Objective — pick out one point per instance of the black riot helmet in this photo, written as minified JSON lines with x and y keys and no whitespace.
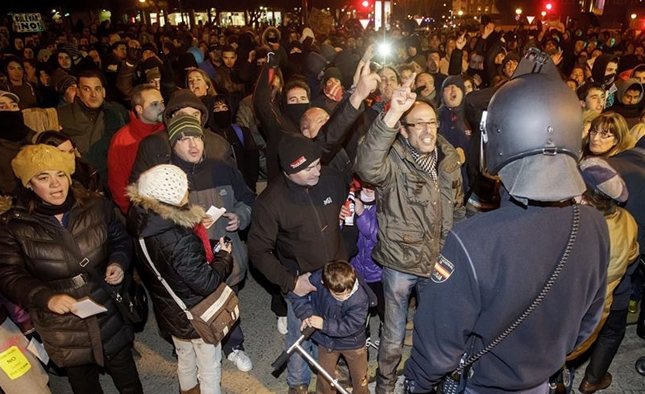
{"x":533,"y":126}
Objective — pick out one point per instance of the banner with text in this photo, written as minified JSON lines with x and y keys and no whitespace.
{"x":27,"y":23}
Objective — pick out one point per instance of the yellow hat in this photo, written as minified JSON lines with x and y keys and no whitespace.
{"x":34,"y":159}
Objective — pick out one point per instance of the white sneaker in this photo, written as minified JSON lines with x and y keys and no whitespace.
{"x":241,"y":360}
{"x":282,"y":325}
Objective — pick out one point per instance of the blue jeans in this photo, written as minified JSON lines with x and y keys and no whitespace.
{"x":298,"y":371}
{"x":397,"y":287}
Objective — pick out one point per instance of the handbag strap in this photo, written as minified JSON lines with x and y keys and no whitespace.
{"x":85,"y":264}
{"x":539,"y":298}
{"x":174,"y":296}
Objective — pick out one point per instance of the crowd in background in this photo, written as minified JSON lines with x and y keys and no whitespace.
{"x":221,"y":112}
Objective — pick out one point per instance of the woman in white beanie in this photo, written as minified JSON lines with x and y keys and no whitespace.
{"x":179,"y":248}
{"x":52,"y":229}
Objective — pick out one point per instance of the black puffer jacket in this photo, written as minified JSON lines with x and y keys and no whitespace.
{"x":179,"y":256}
{"x":37,"y":258}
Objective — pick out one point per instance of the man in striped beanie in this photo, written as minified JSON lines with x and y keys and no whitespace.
{"x":183,"y":126}
{"x":215,"y":184}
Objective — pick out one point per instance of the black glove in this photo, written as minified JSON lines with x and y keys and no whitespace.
{"x":223,"y":264}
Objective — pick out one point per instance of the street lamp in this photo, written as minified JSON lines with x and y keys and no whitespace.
{"x":518,"y":11}
{"x":633,"y":16}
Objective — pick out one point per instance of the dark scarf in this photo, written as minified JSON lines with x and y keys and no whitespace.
{"x":221,"y":119}
{"x":51,"y":210}
{"x":93,"y":113}
{"x":13,"y":126}
{"x":295,"y":112}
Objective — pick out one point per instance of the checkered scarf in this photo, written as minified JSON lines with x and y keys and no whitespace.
{"x":428,"y":161}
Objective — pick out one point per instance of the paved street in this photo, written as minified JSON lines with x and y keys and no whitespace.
{"x":264,"y":344}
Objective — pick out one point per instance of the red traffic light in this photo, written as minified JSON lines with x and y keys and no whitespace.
{"x":548,"y":6}
{"x":365,"y":3}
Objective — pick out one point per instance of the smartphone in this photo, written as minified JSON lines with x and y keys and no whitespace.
{"x":218,"y":247}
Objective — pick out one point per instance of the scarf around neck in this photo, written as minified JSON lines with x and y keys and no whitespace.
{"x":428,"y":161}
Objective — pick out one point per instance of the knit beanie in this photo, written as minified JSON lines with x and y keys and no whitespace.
{"x":511,"y":56}
{"x":62,"y":80}
{"x":183,"y":98}
{"x":601,"y":176}
{"x":331,"y":72}
{"x":297,"y":152}
{"x":165,"y":182}
{"x":456,"y":80}
{"x":34,"y":159}
{"x":183,"y":125}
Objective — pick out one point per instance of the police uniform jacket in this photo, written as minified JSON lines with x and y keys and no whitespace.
{"x":491,"y":268}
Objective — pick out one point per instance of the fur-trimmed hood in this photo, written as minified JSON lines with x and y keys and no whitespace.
{"x":149,"y":216}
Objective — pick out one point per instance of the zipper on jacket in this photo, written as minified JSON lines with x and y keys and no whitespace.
{"x":320,"y":225}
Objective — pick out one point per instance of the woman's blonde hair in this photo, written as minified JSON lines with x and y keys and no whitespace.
{"x":211,"y":88}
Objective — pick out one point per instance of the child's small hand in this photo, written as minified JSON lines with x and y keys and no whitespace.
{"x":315,"y":322}
{"x":312,"y":321}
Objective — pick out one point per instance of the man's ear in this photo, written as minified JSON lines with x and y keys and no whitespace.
{"x":582,"y":104}
{"x":404,"y":132}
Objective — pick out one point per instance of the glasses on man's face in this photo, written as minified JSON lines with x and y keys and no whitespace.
{"x":604,"y":134}
{"x":432,"y":125}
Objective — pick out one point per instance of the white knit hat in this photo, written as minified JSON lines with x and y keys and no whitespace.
{"x":165,"y":183}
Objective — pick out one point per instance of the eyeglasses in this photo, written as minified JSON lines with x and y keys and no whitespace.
{"x":433,"y":125}
{"x":604,"y":134}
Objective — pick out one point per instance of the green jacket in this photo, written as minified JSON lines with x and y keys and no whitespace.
{"x":92,"y":136}
{"x":414,"y":217}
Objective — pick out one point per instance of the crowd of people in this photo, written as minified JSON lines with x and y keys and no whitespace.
{"x":458,"y":168}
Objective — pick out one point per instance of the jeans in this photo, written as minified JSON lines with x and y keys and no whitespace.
{"x":85,"y":378}
{"x":201,"y":361}
{"x":397,"y":287}
{"x":298,"y":371}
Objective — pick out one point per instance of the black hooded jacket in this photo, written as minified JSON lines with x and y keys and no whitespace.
{"x":247,"y":155}
{"x":178,"y":254}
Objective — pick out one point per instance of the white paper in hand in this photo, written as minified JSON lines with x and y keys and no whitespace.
{"x":85,"y":307}
{"x":37,"y":349}
{"x":215,"y":212}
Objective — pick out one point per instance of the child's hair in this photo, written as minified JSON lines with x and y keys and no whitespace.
{"x":339,"y":276}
